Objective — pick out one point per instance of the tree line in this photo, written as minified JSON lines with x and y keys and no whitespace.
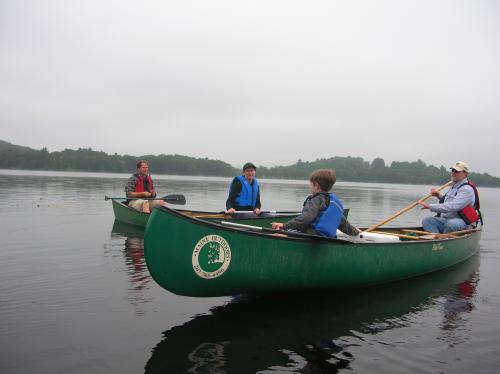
{"x":354,"y":169}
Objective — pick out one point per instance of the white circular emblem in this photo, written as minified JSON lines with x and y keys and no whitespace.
{"x":211,"y":256}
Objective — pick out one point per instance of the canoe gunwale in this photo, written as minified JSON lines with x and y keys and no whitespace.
{"x":259,"y":231}
{"x":126,"y":214}
{"x":271,"y":233}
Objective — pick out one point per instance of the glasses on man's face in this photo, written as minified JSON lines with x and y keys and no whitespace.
{"x":455,"y":171}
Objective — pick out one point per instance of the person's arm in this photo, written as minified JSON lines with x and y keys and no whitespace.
{"x":130,"y":186}
{"x":347,"y":228}
{"x":463,"y":198}
{"x":311,"y":210}
{"x":234,"y":191}
{"x":153,"y":192}
{"x":130,"y":189}
{"x":139,"y":194}
{"x":257,"y":203}
{"x":436,"y":193}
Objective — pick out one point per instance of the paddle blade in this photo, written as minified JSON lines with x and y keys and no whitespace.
{"x":175,"y":199}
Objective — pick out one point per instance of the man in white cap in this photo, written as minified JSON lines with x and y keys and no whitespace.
{"x":458,"y":208}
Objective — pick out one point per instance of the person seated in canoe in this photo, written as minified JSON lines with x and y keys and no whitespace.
{"x":458,"y":208}
{"x":323,"y":212}
{"x":140,"y":185}
{"x":244,"y":192}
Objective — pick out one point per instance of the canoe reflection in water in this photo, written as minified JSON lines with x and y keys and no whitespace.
{"x":310,"y":333}
{"x":133,"y":250}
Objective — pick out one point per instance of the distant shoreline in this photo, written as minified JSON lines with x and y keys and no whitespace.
{"x":124,"y":176}
{"x":348,"y":169}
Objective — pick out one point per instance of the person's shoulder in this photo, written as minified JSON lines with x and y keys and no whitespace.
{"x":465,"y":186}
{"x":236,"y":181}
{"x":323,"y":195}
{"x":319,"y":198}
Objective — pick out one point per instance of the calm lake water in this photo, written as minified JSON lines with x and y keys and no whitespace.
{"x":76,"y":295}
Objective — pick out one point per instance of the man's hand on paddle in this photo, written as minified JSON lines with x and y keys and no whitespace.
{"x":423,"y":204}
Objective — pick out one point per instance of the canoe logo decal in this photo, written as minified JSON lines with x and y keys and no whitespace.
{"x":437,"y":247}
{"x":211,"y":256}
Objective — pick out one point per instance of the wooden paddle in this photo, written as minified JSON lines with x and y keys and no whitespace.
{"x":251,"y":211}
{"x":371,"y":228}
{"x":270,"y":212}
{"x":454,"y":234}
{"x":346,"y":212}
{"x":171,"y":199}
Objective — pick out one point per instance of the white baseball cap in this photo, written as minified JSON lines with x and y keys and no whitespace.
{"x":460,"y":166}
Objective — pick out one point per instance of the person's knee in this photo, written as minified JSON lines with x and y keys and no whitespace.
{"x":431,"y":224}
{"x":427,"y":221}
{"x":448,"y":228}
{"x":453,"y":225}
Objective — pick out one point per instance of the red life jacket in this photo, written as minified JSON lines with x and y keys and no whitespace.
{"x":471,"y":214}
{"x":476,"y":194}
{"x":143,"y":184}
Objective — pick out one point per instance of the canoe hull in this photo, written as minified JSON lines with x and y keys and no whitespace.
{"x":199,"y":258}
{"x":124,"y":213}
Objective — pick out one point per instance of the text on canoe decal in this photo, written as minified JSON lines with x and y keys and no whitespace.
{"x":211,"y":256}
{"x":437,"y":247}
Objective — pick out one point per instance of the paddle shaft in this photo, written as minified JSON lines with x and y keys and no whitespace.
{"x":454,"y":233}
{"x":418,"y":232}
{"x":277,"y":212}
{"x":135,"y":198}
{"x":371,"y":228}
{"x":251,"y":211}
{"x":276,"y":232}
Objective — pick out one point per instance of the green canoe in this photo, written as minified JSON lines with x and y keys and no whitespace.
{"x":196,"y":257}
{"x":124,"y":213}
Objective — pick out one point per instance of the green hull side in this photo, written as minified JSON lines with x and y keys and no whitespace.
{"x":125,"y":214}
{"x":258,"y":263}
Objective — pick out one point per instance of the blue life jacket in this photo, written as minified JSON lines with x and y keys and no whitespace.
{"x":328,"y":220}
{"x":248,"y":194}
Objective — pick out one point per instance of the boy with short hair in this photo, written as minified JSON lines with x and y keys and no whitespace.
{"x":323,"y":212}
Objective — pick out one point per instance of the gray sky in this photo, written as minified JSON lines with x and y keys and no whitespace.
{"x":264,"y":81}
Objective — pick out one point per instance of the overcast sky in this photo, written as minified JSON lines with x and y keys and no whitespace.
{"x":268,"y":81}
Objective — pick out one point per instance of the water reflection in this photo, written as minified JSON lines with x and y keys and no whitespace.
{"x":454,"y":327}
{"x":133,"y":250}
{"x":311,"y":333}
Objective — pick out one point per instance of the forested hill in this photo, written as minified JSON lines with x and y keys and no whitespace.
{"x":348,"y":168}
{"x":17,"y":157}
